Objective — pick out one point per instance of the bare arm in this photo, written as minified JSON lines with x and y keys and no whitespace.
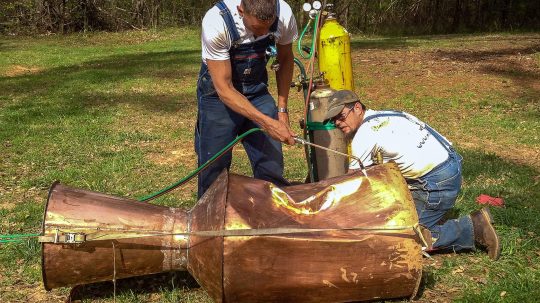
{"x":220,"y":71}
{"x":284,"y":75}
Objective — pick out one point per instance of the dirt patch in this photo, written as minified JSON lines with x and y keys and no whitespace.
{"x":19,"y":70}
{"x":174,"y":156}
{"x":31,"y":292}
{"x":7,"y":206}
{"x":466,"y":74}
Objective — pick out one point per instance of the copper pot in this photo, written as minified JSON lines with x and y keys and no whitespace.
{"x":348,"y":238}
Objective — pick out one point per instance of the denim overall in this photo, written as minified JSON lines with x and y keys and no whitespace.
{"x":436,"y":192}
{"x":218,"y":125}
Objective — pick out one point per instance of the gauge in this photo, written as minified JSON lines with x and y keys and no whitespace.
{"x":317,"y":5}
{"x":306,"y":7}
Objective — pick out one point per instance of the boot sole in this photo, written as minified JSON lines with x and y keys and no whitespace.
{"x":487,"y":215}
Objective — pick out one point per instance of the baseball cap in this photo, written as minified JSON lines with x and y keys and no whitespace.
{"x":338,"y":101}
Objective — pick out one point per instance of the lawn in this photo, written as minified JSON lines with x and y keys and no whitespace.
{"x":115,"y":113}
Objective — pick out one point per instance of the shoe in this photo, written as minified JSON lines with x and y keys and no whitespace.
{"x":485,"y":234}
{"x":425,"y":238}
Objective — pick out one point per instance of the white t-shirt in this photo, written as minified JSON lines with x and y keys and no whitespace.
{"x":403,"y":140}
{"x":215,"y":37}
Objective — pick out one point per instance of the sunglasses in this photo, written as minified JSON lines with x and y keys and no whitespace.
{"x":342,"y":116}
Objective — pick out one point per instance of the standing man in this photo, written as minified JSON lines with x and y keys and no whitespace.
{"x":232,"y":89}
{"x":427,"y":160}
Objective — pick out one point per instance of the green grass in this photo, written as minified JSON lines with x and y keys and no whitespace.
{"x":115,"y":112}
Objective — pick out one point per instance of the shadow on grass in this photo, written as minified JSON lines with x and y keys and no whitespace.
{"x":471,"y":56}
{"x":3,"y":45}
{"x":383,"y":43}
{"x":157,"y":283}
{"x":101,"y":85}
{"x":400,"y":42}
{"x":75,"y":82}
{"x":427,"y":281}
{"x":500,"y":62}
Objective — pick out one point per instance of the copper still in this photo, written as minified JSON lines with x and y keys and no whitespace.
{"x":347,"y":238}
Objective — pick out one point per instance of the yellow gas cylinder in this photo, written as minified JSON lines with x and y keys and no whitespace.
{"x":334,"y":48}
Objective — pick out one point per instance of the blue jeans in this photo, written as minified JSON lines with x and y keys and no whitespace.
{"x":434,"y":194}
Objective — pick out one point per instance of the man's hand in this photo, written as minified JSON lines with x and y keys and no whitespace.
{"x":278,"y":130}
{"x":222,"y":77}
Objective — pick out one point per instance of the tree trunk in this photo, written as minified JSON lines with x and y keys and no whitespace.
{"x":62,"y":16}
{"x":505,"y":12}
{"x":457,"y":16}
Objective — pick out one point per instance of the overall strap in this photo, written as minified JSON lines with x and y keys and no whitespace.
{"x":274,"y":26}
{"x":433,"y":132}
{"x":229,"y":22}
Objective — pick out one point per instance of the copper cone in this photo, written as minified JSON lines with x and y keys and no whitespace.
{"x":344,"y":239}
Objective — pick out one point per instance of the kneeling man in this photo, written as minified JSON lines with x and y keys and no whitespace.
{"x":427,"y":160}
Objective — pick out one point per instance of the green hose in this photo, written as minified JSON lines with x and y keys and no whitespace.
{"x":301,"y":68}
{"x":200,"y":168}
{"x":16,"y":238}
{"x":314,"y":40}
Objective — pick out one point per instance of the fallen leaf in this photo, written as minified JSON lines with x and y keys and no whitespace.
{"x":482,"y":280}
{"x":458,"y":270}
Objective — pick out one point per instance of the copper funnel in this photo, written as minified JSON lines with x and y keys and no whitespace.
{"x":343,"y":239}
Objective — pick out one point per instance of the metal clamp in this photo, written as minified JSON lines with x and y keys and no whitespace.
{"x":63,"y":238}
{"x":74,"y":238}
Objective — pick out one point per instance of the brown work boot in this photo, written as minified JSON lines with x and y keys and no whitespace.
{"x":425,"y":238}
{"x":484,"y":233}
